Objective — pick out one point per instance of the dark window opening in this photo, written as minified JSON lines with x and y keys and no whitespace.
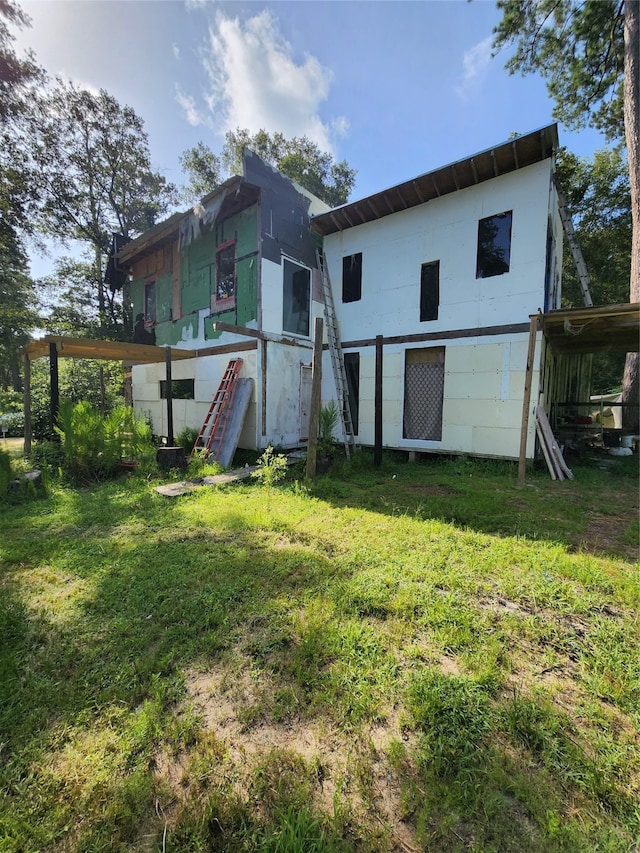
{"x":225,"y":291}
{"x":296,"y":305}
{"x":150,"y":303}
{"x":352,"y":370}
{"x":494,"y":245}
{"x":181,"y":389}
{"x":352,"y":277}
{"x":429,"y":291}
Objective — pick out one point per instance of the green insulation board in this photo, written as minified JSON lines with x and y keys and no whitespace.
{"x":173,"y":334}
{"x":164,"y":297}
{"x":137,"y":297}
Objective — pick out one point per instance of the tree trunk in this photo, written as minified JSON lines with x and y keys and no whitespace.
{"x":630,"y":396}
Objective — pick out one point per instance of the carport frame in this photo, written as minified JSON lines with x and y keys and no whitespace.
{"x":607,"y":328}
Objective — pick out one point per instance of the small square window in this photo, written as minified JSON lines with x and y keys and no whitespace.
{"x":429,"y":291}
{"x":352,"y":278}
{"x":494,"y":245}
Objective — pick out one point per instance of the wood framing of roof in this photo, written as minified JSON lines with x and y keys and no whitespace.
{"x":237,"y":195}
{"x":500,"y":160}
{"x":102,"y":350}
{"x":607,"y":328}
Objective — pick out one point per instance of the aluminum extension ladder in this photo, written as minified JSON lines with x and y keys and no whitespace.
{"x":337,"y":360}
{"x":209,"y":441}
{"x":576,"y":251}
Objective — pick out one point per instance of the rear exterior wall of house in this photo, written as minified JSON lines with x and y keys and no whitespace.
{"x":450,"y":285}
{"x":223,"y":277}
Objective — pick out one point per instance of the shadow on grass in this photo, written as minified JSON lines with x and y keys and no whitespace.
{"x":597,"y":512}
{"x":127,"y":591}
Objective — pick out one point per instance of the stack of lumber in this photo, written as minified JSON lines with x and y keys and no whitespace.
{"x":558,"y":468}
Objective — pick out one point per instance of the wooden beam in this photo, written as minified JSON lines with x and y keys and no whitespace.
{"x":54,"y":385}
{"x":27,"y":404}
{"x":314,"y":409}
{"x":223,"y":349}
{"x":526,"y":399}
{"x":377,"y":440}
{"x":263,"y":371}
{"x":169,"y":396}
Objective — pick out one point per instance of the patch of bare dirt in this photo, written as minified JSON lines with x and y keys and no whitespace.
{"x":606,"y":534}
{"x":222,"y":701}
{"x":433,"y":490}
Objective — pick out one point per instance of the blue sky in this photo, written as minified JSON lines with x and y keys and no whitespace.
{"x":395,"y":88}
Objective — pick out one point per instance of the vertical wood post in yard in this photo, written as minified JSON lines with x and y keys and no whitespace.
{"x":169,"y":395}
{"x":54,"y":385}
{"x":314,"y":409}
{"x":377,"y":440}
{"x":526,"y":399}
{"x":102,"y":390}
{"x":27,"y":404}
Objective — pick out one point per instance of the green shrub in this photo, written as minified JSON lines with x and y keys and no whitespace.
{"x":187,"y":438}
{"x":5,"y":471}
{"x":94,"y":445}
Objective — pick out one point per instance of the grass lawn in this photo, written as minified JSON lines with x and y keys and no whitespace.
{"x":420,"y":657}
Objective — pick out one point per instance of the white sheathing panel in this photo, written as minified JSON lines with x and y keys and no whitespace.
{"x":283,"y":394}
{"x":271,"y":295}
{"x":483,"y":390}
{"x":206,"y":373}
{"x":446,"y":229}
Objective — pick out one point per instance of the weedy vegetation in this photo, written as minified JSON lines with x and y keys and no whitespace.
{"x":416,"y":657}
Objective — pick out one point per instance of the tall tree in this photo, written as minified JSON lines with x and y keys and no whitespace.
{"x":597,"y":192}
{"x":18,"y":313}
{"x":298,"y":158}
{"x":92,"y":173}
{"x":203,"y":169}
{"x":17,"y":77}
{"x":588,"y":51}
{"x":68,"y":300}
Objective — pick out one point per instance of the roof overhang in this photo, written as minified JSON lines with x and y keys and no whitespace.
{"x":234,"y":195}
{"x":101,"y":350}
{"x":607,"y":328}
{"x":501,"y":159}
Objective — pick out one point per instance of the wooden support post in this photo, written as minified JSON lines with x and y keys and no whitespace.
{"x":54,"y":386}
{"x":102,"y":390}
{"x":167,"y":353}
{"x":526,"y":399}
{"x":27,"y":404}
{"x":314,"y":409}
{"x":377,"y":440}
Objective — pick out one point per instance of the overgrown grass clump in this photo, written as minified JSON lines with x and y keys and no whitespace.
{"x":417,"y":657}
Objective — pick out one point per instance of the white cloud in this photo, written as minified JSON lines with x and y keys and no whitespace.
{"x":475,"y":63}
{"x":192,"y":114}
{"x":176,"y":50}
{"x":255,"y":81}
